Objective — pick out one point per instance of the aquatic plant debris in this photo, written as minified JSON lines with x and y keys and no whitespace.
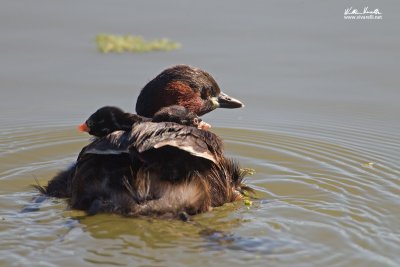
{"x":248,"y":202}
{"x":368,"y":165}
{"x":110,"y":43}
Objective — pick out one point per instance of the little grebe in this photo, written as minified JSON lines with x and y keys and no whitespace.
{"x":161,"y":168}
{"x":160,"y":176}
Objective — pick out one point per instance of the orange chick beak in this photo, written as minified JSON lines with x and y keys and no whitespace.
{"x":83,"y":128}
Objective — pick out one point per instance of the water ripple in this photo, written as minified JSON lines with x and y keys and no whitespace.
{"x":319,"y":192}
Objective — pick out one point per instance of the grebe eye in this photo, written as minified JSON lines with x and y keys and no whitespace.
{"x":196,"y":121}
{"x":205,"y":94}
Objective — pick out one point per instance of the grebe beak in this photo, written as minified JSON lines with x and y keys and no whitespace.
{"x":225,"y":101}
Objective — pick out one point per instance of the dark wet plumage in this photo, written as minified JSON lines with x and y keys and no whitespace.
{"x":154,"y":168}
{"x":109,"y":119}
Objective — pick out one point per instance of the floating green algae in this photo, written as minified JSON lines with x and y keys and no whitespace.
{"x":109,"y":43}
{"x":248,"y":202}
{"x":368,"y":165}
{"x":247,"y":191}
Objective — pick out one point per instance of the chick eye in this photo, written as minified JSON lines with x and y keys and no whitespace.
{"x":89,"y":123}
{"x":196,"y":121}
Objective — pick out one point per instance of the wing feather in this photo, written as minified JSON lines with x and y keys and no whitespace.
{"x":198,"y":143}
{"x":149,"y":135}
{"x":114,"y":143}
